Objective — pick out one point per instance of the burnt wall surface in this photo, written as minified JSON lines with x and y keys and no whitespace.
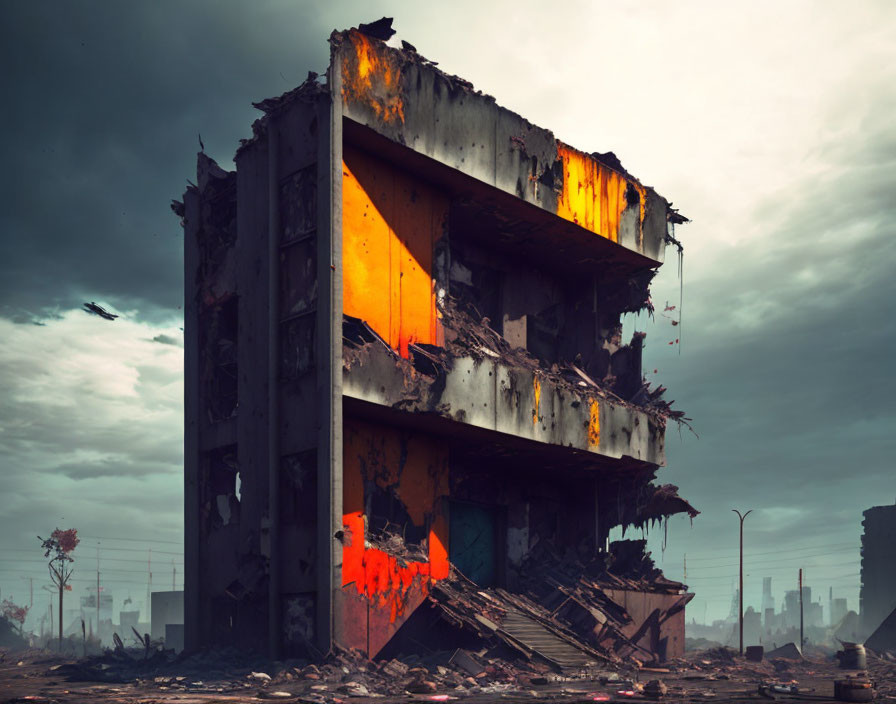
{"x":552,"y":313}
{"x":405,"y":98}
{"x":251,"y":292}
{"x":415,"y":267}
{"x":418,"y":505}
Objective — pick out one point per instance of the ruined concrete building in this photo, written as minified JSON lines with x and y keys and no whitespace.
{"x":410,"y":414}
{"x":877,"y":597}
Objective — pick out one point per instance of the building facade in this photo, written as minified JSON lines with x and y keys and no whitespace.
{"x":877,"y":596}
{"x":404,"y":364}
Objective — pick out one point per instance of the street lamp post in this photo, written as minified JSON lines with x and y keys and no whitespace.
{"x":740,"y":591}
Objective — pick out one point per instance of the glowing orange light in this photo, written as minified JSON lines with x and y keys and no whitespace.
{"x":594,"y":424}
{"x":371,"y":76}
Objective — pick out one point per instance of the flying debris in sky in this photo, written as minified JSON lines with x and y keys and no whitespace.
{"x":95,"y":309}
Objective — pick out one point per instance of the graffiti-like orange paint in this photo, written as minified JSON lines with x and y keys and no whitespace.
{"x":537,"y":389}
{"x":594,"y":425}
{"x":416,"y":469}
{"x":593,"y":195}
{"x":390,"y":224}
{"x":371,"y":75}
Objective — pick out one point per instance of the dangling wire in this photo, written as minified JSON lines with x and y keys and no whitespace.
{"x":680,"y":292}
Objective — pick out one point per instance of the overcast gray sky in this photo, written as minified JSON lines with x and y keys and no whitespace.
{"x":770,"y":124}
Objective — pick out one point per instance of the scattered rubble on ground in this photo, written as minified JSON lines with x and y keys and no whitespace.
{"x":227,"y":675}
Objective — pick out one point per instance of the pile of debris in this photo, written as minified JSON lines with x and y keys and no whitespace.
{"x":436,"y":676}
{"x":341,"y":673}
{"x":562,"y":616}
{"x":469,"y":336}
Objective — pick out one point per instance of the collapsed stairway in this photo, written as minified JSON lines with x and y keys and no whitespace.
{"x":545,"y":644}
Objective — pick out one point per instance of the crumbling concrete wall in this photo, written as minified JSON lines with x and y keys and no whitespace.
{"x":407,"y":100}
{"x":395,"y":486}
{"x":657,"y":622}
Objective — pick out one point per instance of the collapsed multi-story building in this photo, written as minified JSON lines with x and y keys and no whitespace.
{"x":409,"y":407}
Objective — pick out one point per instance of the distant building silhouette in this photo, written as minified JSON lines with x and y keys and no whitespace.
{"x":877,"y":597}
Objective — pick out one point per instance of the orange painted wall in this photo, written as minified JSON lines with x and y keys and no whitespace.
{"x":593,"y":195}
{"x":415,"y":467}
{"x":390,"y":224}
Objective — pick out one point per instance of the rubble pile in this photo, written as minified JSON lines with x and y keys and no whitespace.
{"x":718,"y":674}
{"x":561,"y":618}
{"x":575,"y":591}
{"x":469,"y":334}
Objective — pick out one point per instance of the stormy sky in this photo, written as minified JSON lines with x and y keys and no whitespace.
{"x":769,"y":124}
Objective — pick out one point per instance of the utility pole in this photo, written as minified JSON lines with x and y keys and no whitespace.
{"x":173,"y":576}
{"x":801,"y":610}
{"x":98,"y":587}
{"x":149,"y":586}
{"x":740,"y":592}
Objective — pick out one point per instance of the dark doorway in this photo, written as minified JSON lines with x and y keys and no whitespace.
{"x":472,"y":542}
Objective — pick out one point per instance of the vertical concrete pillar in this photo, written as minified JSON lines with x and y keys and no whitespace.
{"x":329,"y":361}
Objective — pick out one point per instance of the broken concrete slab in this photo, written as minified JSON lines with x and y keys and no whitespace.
{"x":788,"y":651}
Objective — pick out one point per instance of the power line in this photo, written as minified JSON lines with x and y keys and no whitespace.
{"x":779,"y":552}
{"x":136,"y":540}
{"x":789,"y":560}
{"x":103,"y":559}
{"x":30,"y":570}
{"x":130,"y":550}
{"x":728,"y":553}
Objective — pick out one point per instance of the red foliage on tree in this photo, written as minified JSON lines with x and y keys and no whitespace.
{"x":13,"y":612}
{"x":66,"y":539}
{"x":61,"y":543}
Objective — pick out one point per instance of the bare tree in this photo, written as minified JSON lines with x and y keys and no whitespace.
{"x":60,"y":544}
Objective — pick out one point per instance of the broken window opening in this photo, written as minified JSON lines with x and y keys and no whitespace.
{"x":219,"y":498}
{"x":298,"y":488}
{"x":388,"y":516}
{"x":297,"y":340}
{"x":218,"y":337}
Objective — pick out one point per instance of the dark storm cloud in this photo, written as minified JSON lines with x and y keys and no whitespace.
{"x":787,"y":368}
{"x":121,"y":467}
{"x":102,"y":106}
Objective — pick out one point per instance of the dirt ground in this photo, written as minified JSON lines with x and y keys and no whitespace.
{"x":35,"y":676}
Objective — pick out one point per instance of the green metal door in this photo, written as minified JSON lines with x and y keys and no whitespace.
{"x":471,"y":546}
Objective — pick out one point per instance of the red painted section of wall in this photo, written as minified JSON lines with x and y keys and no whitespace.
{"x":415,"y":468}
